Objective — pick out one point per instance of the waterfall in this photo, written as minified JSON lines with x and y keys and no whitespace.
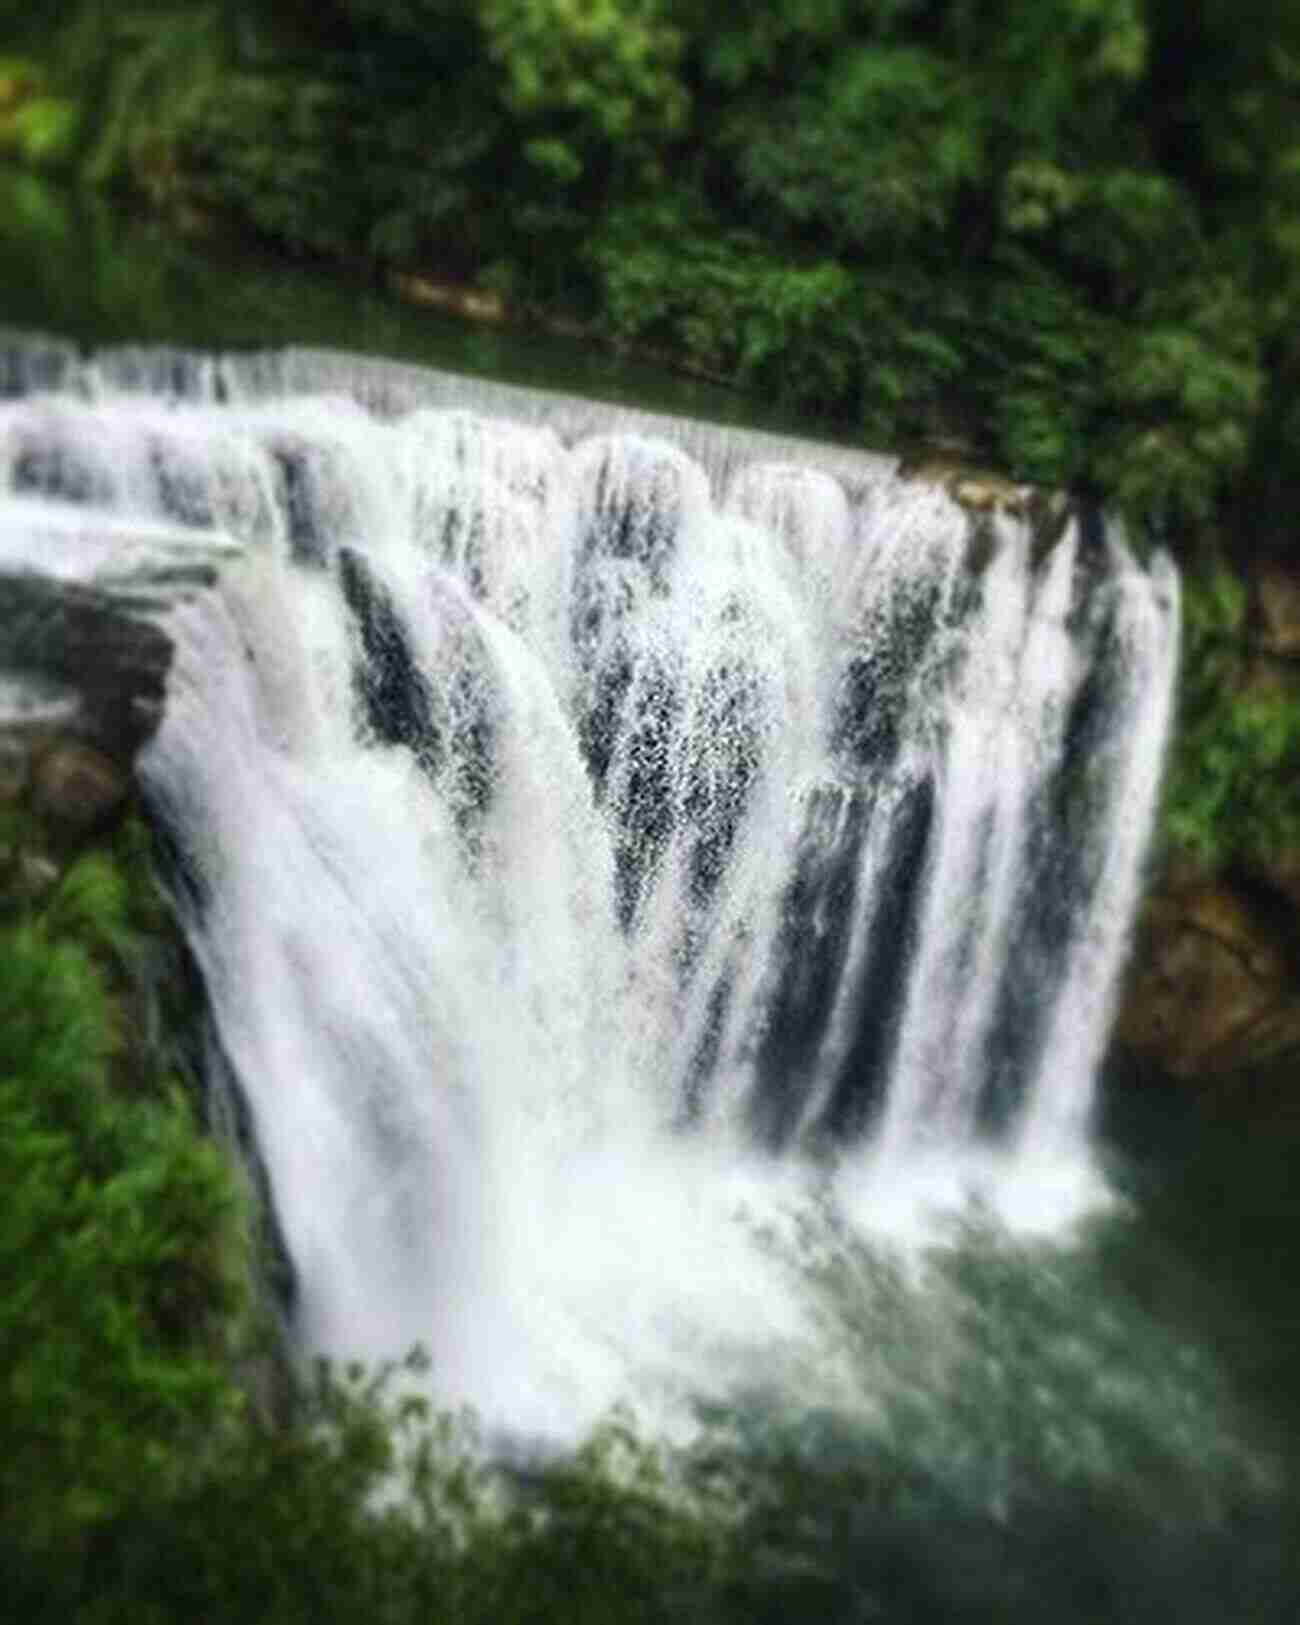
{"x":602,"y":836}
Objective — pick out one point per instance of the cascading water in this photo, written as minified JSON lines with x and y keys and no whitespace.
{"x":602,"y":836}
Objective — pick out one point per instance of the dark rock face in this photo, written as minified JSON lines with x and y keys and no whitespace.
{"x":98,"y":650}
{"x":1213,"y":990}
{"x":77,"y":789}
{"x":1214,"y":986}
{"x":83,"y":673}
{"x":1275,"y":611}
{"x":15,"y":768}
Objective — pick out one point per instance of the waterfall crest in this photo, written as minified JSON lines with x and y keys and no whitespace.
{"x":601,"y":834}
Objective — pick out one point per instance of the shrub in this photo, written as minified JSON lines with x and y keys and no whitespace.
{"x":121,"y":1231}
{"x":1230,"y":793}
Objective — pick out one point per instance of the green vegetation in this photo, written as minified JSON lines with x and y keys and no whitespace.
{"x":36,"y":127}
{"x":1231,"y":793}
{"x":1064,"y":232}
{"x":122,"y":1235}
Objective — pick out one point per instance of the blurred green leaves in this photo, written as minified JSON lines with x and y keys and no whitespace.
{"x":37,"y":127}
{"x":869,"y":156}
{"x":121,"y":1235}
{"x":1236,"y":761}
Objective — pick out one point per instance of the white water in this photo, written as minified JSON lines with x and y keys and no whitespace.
{"x":603,"y":836}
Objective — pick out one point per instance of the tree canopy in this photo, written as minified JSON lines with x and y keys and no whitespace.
{"x":1064,"y":233}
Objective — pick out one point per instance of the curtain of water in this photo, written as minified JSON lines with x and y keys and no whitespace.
{"x":603,"y":835}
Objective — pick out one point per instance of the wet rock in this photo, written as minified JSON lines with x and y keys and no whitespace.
{"x":35,"y":876}
{"x":14,"y":768}
{"x":989,"y":494}
{"x":108,"y":652}
{"x":1275,"y":611}
{"x":77,"y":789}
{"x":978,"y":490}
{"x":1049,"y":513}
{"x":1214,"y":984}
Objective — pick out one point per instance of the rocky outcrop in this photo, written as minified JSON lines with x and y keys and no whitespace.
{"x":1214,"y":985}
{"x":83,"y":674}
{"x":80,"y":663}
{"x":985,"y":495}
{"x":1275,"y":611}
{"x":1213,"y":989}
{"x":76,"y":789}
{"x":82,"y":679}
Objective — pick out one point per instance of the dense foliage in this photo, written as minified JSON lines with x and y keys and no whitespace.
{"x":1231,"y":792}
{"x":121,"y":1242}
{"x":1065,"y":232}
